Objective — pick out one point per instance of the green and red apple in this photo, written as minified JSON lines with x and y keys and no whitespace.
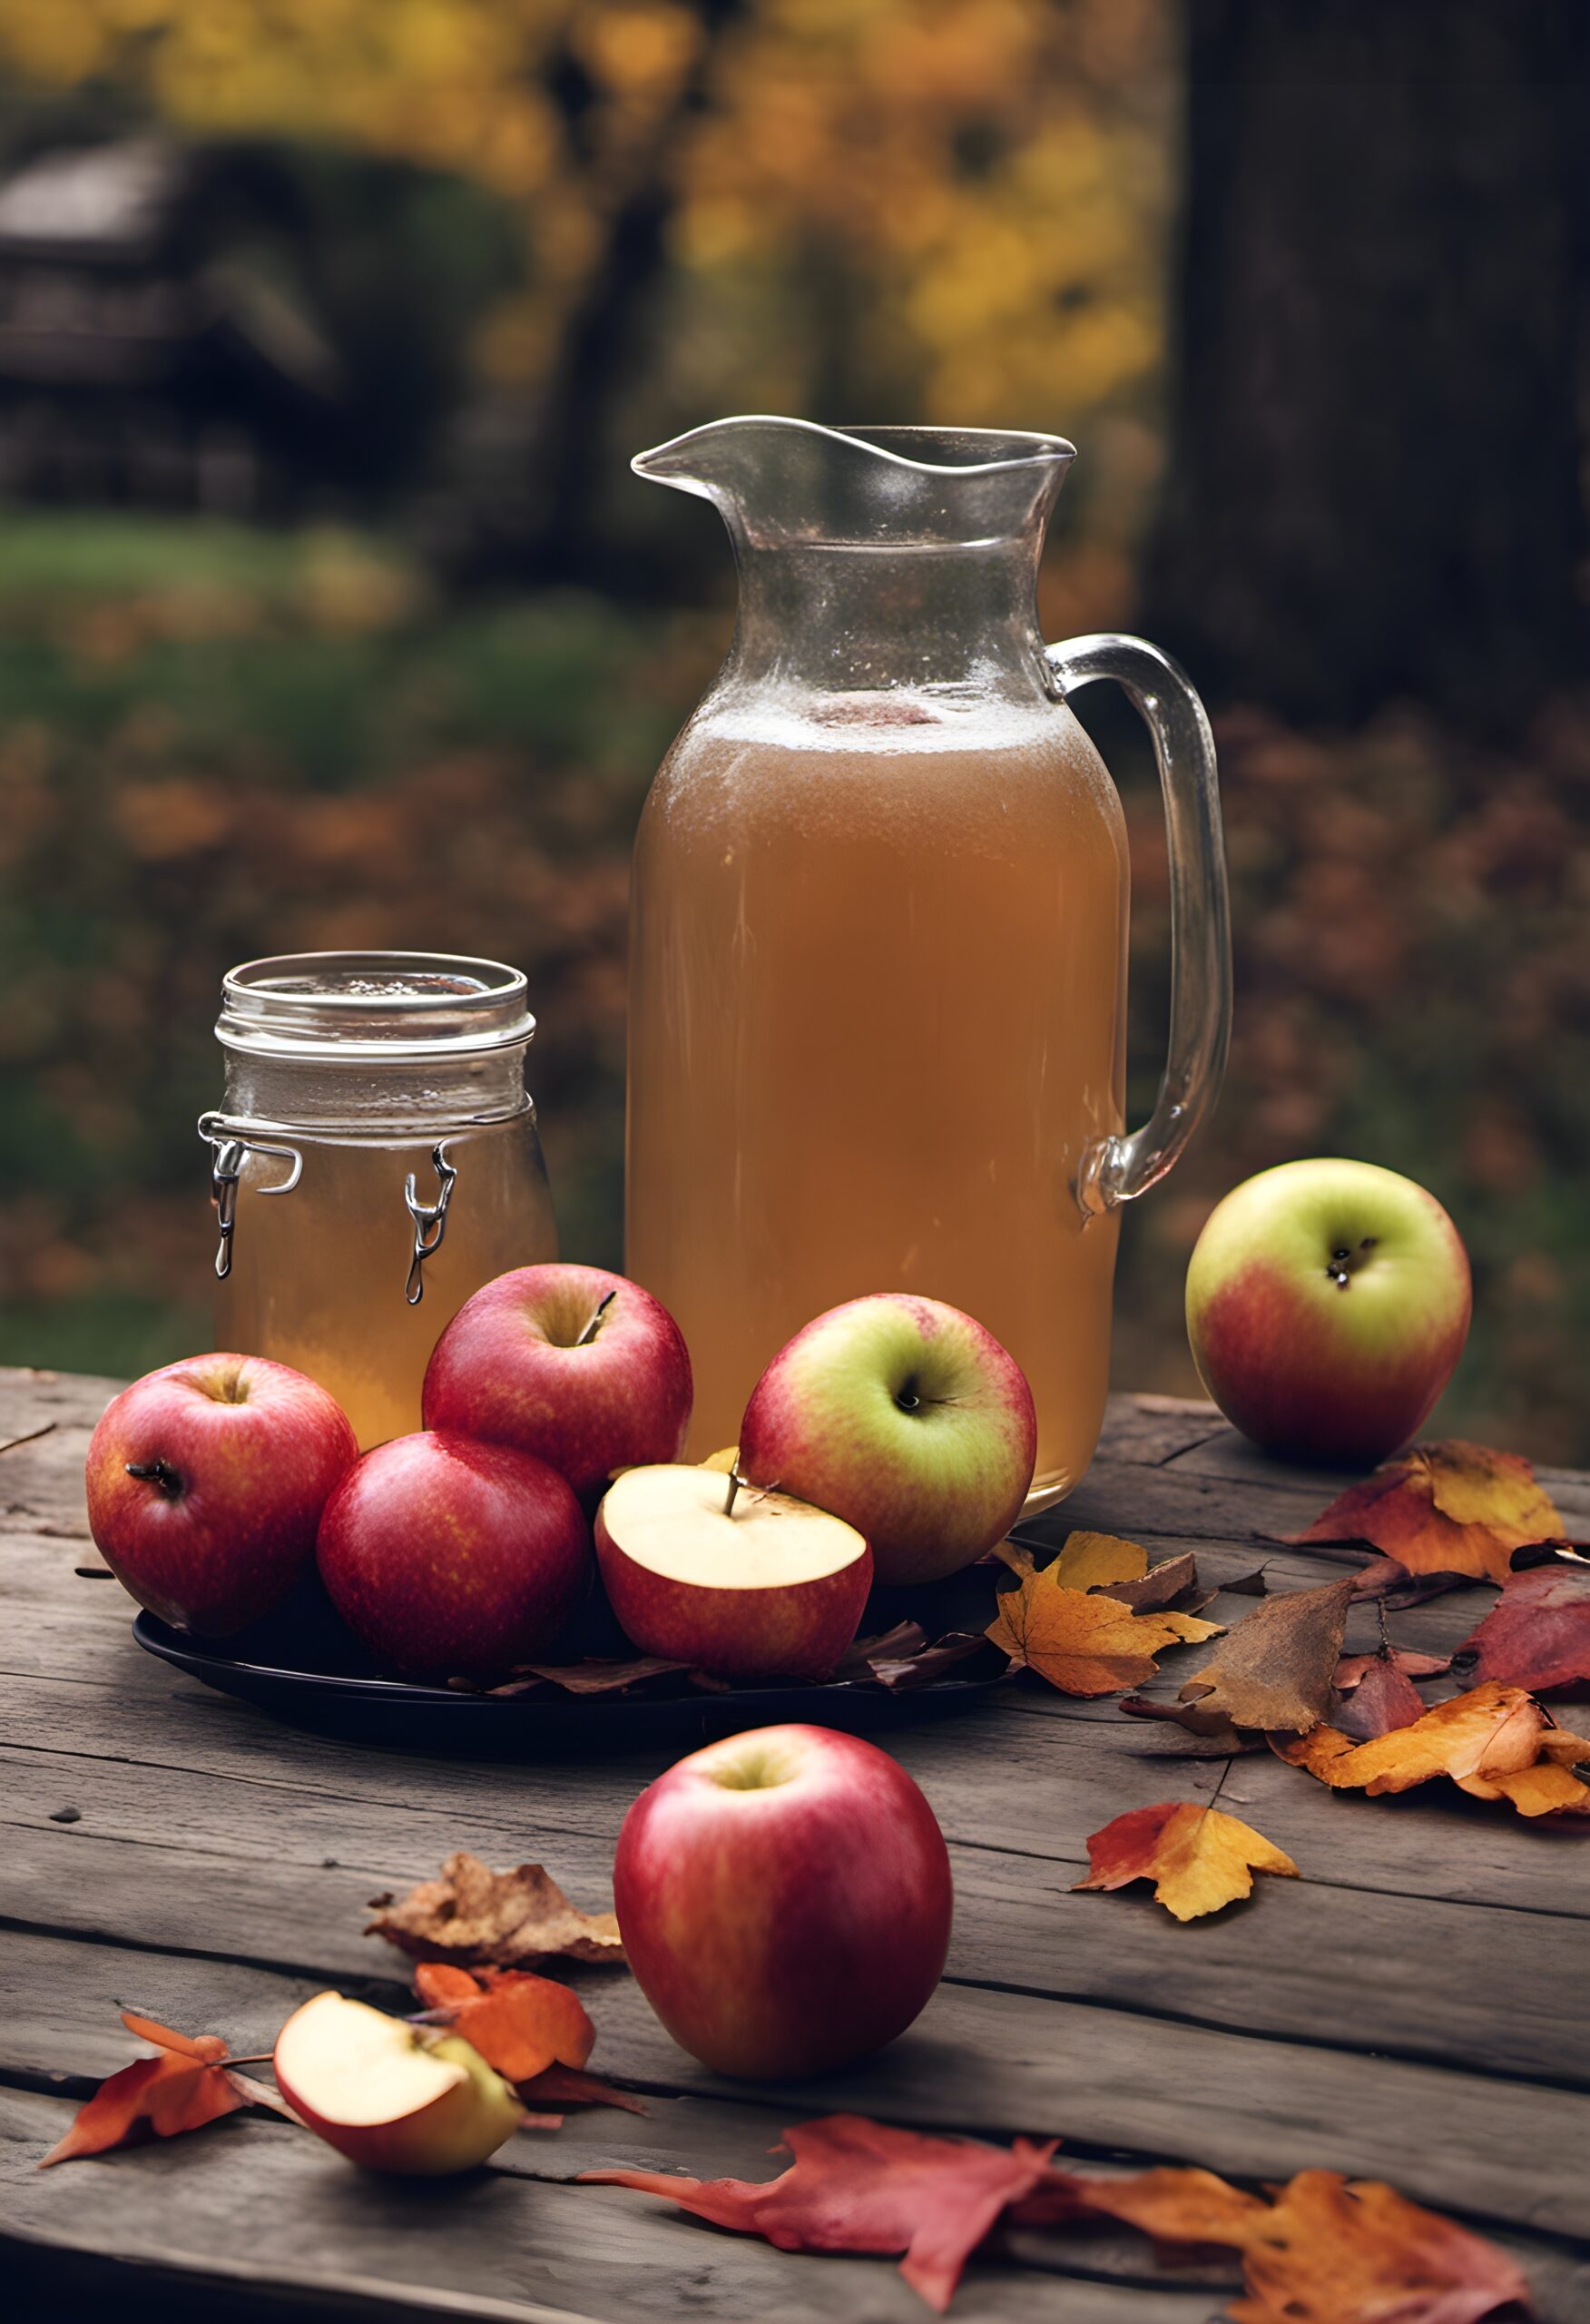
{"x":390,"y":2095}
{"x":206,"y":1481}
{"x":747,"y":1584}
{"x":1327,"y":1302}
{"x":905,"y":1417}
{"x":580,"y":1367}
{"x":784,"y":1899}
{"x":452,"y":1557}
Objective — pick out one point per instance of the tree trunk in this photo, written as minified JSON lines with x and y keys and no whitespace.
{"x":1374,"y":486}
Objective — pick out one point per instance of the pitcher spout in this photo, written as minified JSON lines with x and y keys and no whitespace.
{"x":779,"y":481}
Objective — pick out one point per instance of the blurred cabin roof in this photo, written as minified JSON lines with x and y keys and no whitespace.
{"x":155,"y":295}
{"x":106,"y":204}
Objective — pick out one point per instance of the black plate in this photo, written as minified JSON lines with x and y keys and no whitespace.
{"x":403,"y":1716}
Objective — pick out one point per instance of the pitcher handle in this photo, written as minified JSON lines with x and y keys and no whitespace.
{"x":1117,"y":1169}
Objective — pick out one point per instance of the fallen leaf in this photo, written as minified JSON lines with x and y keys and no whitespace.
{"x":1082,"y":1642}
{"x":1538,"y":1634}
{"x":1172,"y":1582}
{"x":902,"y":1673}
{"x":1275,"y":1668}
{"x":1105,"y":1561}
{"x":1446,"y":1508}
{"x":596,"y":1678}
{"x":566,"y":2087}
{"x":1376,"y":1700}
{"x":1199,"y":1858}
{"x":1220,"y":1740}
{"x":473,"y":1916}
{"x":1183,"y":2211}
{"x":1494,"y":1742}
{"x":1354,"y":1668}
{"x":186,"y":2087}
{"x":1248,"y":1585}
{"x":519,"y":2023}
{"x":1329,"y":2250}
{"x":860,"y":2186}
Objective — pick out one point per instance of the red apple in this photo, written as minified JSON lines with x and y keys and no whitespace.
{"x":206,"y":1481}
{"x":1328,"y":1304}
{"x":746,"y":1584}
{"x":784,"y":1899}
{"x":581,"y":1367}
{"x":391,"y":2096}
{"x":906,"y":1418}
{"x":451,"y":1557}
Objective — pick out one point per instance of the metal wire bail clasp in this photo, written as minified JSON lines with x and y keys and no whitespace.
{"x":430,"y":1220}
{"x":228,"y":1148}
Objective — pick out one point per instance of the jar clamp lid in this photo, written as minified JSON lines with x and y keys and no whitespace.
{"x":395,"y":1006}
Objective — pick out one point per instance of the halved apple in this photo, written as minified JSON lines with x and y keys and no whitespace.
{"x":392,"y":2096}
{"x":745,"y":1583}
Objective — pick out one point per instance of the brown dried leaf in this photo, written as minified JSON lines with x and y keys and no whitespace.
{"x":1275,"y":1668}
{"x":597,"y":1678}
{"x":473,"y":1915}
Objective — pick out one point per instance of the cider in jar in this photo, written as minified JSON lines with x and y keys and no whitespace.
{"x":375,"y":1163}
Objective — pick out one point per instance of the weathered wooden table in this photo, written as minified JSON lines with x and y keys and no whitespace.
{"x":1415,"y":2007}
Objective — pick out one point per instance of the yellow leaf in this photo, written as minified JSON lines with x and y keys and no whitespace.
{"x":1495,"y":1742}
{"x":1198,"y":1857}
{"x":1084,"y":1644}
{"x":1091,"y":1560}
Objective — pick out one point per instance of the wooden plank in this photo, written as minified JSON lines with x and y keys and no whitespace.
{"x":231,"y":2188}
{"x":1300,"y":1958}
{"x":1029,"y":1785}
{"x":255,"y":2197}
{"x":1105,"y":2080}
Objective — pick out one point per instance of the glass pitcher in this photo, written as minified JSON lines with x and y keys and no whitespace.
{"x":877,"y":979}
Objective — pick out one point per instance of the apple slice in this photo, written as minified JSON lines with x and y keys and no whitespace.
{"x":392,"y":2096}
{"x":744,"y":1583}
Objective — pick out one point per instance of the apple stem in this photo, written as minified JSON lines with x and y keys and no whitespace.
{"x":160,"y":1473}
{"x":733,"y":1489}
{"x":594,"y":1325}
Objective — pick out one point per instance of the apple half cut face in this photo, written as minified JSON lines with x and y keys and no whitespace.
{"x":391,"y":2095}
{"x":741,"y":1582}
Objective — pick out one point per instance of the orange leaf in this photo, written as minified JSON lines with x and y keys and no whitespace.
{"x":186,"y":2087}
{"x":1082,"y":1641}
{"x":1182,"y":2210}
{"x":566,"y":2087}
{"x":1495,"y":1742}
{"x":1199,"y":1858}
{"x":471,"y":1914}
{"x":860,"y":2186}
{"x":1448,"y":1508}
{"x":520,"y":2024}
{"x":1333,"y":2251}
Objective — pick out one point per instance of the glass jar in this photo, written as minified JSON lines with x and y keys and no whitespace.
{"x":376,"y":1161}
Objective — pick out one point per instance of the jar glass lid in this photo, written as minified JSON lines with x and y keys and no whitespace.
{"x":393,"y":1005}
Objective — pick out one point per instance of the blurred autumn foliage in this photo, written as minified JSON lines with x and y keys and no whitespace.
{"x":217,"y":742}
